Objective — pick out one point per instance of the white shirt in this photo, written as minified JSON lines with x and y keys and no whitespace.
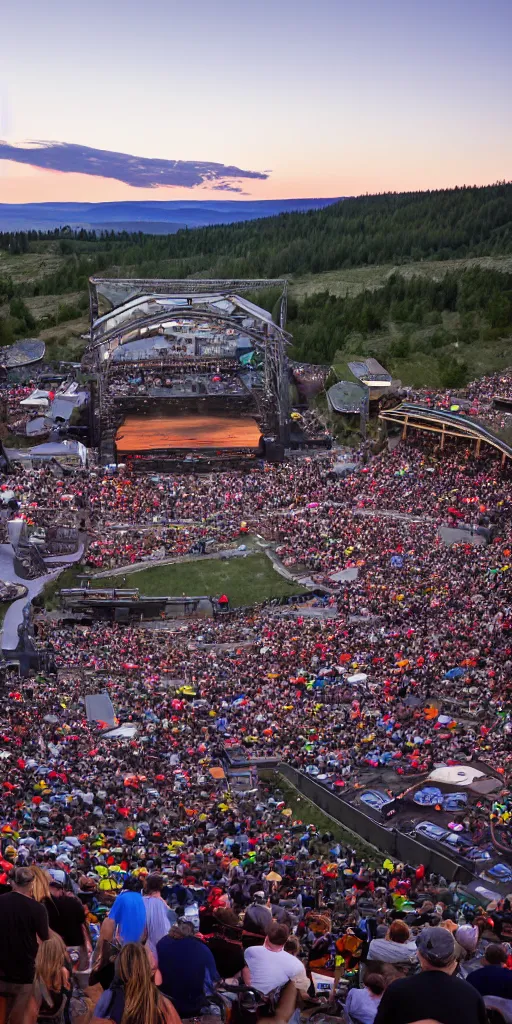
{"x":271,"y":969}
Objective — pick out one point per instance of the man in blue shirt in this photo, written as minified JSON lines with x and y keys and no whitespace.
{"x":126,"y":921}
{"x":129,"y":916}
{"x":188,"y":970}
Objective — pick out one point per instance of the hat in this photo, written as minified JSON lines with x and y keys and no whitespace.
{"x":437,"y":946}
{"x":467,"y":937}
{"x":57,"y":876}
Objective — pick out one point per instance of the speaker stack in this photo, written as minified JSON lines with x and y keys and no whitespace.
{"x":274,"y":451}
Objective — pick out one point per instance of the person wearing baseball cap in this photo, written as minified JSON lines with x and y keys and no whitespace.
{"x":434,"y":993}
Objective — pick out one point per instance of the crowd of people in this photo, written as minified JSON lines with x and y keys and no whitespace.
{"x":198,"y":881}
{"x":124,"y":382}
{"x":482,"y":399}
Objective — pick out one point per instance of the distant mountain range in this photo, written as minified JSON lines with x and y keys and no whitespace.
{"x":151,"y":217}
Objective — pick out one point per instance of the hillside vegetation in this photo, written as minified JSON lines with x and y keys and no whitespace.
{"x":397,"y":275}
{"x":409,"y":320}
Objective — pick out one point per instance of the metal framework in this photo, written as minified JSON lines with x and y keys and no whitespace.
{"x":119,"y":290}
{"x":197,"y":301}
{"x":447,"y":424}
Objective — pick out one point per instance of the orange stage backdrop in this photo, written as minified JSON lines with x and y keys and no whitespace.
{"x":145,"y":433}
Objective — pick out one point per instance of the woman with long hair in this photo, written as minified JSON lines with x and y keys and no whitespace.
{"x":51,"y":989}
{"x":41,"y":887}
{"x":133,"y":997}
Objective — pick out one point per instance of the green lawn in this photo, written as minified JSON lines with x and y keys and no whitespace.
{"x":49,"y":596}
{"x":308,"y":812}
{"x":246,"y":581}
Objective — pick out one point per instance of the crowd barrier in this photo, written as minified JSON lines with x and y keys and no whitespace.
{"x":273,"y":602}
{"x":397,"y":845}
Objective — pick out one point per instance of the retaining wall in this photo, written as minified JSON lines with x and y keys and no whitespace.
{"x":399,"y":846}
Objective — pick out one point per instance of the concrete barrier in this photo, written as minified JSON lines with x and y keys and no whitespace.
{"x":398,"y":845}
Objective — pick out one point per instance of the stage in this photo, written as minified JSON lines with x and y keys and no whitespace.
{"x":192,"y":433}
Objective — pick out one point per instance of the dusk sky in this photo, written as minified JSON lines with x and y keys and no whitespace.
{"x":289,"y":98}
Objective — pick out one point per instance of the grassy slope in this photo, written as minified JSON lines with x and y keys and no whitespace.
{"x":246,"y":581}
{"x":421,"y":369}
{"x":356,"y":279}
{"x":31,"y":265}
{"x":306,"y":811}
{"x":63,"y":341}
{"x":49,"y":596}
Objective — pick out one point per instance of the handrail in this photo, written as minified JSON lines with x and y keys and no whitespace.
{"x":464,"y":426}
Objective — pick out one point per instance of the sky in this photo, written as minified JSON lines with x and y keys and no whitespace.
{"x":269,"y":100}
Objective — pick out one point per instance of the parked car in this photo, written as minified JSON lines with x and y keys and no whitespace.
{"x":428,"y":796}
{"x":475,"y":853}
{"x":457,"y":841}
{"x":430,"y":831}
{"x":374,"y":798}
{"x":455,"y":801}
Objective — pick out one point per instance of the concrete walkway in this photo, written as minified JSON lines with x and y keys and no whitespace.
{"x":452,"y":535}
{"x":383,"y":513}
{"x":75,"y":556}
{"x":304,"y":612}
{"x":14,"y":614}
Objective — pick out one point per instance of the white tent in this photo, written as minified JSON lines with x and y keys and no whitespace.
{"x":456,"y":775}
{"x":38,"y":398}
{"x":124,"y":732}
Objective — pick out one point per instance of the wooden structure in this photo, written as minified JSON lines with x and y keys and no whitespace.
{"x":446,"y":424}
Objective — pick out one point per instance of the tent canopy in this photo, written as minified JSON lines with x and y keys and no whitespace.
{"x":456,"y":775}
{"x":99,"y":708}
{"x":37,"y":397}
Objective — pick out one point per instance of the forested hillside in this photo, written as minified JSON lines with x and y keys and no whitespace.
{"x":398,"y":292}
{"x":426,"y":331}
{"x":390,"y":228}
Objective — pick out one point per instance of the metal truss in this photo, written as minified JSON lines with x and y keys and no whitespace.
{"x":271,"y":339}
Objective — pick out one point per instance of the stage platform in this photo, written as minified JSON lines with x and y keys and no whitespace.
{"x":159,"y":433}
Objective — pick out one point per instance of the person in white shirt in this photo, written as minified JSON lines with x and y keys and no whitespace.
{"x":272,"y":967}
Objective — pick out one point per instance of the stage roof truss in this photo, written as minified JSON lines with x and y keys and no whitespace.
{"x":140,"y":307}
{"x":103,"y":346}
{"x":118,"y":291}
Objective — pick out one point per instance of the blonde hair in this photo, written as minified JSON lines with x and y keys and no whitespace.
{"x":142,"y":1000}
{"x":50,"y":959}
{"x":41,"y":887}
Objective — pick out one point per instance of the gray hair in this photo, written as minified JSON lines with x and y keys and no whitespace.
{"x":183,"y":929}
{"x":23,"y":877}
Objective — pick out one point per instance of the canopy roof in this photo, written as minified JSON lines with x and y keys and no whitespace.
{"x":456,"y":775}
{"x":207,"y":309}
